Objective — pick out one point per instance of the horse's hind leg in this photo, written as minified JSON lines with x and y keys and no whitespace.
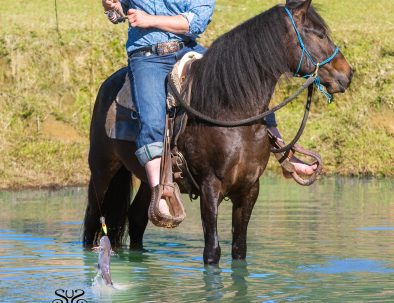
{"x":115,"y":205}
{"x":92,"y":212}
{"x":98,"y":185}
{"x":138,"y":216}
{"x":209,"y":202}
{"x":243,"y":204}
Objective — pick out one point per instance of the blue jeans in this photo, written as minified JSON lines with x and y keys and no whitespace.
{"x":148,"y":77}
{"x":270,"y":120}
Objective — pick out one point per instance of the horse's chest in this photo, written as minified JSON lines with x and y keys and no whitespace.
{"x":236,"y":156}
{"x":245,"y":159}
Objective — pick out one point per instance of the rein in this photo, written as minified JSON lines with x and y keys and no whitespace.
{"x":308,"y":84}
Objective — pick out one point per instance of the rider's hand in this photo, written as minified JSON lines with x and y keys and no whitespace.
{"x":108,"y":4}
{"x":139,"y":18}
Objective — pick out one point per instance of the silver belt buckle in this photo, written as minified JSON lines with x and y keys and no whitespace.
{"x":166,"y":48}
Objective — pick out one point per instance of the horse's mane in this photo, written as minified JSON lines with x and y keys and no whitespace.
{"x":239,"y":71}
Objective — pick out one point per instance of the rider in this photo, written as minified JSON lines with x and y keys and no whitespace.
{"x":160,"y":32}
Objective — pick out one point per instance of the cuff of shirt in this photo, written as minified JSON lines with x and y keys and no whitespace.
{"x":189,"y":17}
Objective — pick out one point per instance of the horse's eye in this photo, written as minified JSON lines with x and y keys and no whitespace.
{"x":320,"y":34}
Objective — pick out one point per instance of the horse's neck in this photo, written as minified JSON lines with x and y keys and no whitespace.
{"x":269,"y":84}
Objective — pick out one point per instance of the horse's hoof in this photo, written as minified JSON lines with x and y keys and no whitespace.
{"x":212,"y":256}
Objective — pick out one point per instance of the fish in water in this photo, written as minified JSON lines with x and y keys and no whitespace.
{"x":104,"y":260}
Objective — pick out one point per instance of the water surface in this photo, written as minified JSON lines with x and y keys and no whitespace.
{"x":332,"y":242}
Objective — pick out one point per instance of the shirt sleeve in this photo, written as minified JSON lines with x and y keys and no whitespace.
{"x":199,"y":15}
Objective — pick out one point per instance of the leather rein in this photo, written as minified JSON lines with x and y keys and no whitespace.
{"x":308,"y":84}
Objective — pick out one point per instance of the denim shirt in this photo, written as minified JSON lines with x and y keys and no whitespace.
{"x":197,"y":12}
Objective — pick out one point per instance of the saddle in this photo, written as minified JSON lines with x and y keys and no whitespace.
{"x":122,"y":124}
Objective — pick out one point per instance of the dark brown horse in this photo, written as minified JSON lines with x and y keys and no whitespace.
{"x":235,"y":79}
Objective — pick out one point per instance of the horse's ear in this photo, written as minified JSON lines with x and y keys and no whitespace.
{"x":300,"y":8}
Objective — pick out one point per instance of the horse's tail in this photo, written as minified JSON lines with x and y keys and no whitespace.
{"x":116,"y":204}
{"x":114,"y":208}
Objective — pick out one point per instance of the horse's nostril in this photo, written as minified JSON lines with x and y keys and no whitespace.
{"x":350,"y":77}
{"x":344,"y":82}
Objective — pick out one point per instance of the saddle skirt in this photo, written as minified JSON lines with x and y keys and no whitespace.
{"x":122,"y":119}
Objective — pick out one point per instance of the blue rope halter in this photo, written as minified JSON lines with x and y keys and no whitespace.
{"x":317,"y":83}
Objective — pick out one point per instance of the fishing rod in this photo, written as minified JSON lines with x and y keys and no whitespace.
{"x":120,"y":17}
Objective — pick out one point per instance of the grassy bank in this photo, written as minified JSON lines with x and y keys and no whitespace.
{"x":49,"y":79}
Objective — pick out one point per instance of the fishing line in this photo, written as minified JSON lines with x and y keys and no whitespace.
{"x":102,"y":219}
{"x":59,"y":36}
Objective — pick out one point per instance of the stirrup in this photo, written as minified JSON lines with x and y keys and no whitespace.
{"x":175,"y":205}
{"x":284,"y":160}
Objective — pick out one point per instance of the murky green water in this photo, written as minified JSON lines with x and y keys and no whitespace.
{"x":333,"y":242}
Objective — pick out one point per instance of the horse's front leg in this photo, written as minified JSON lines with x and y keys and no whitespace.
{"x":210,"y":199}
{"x":243,"y":204}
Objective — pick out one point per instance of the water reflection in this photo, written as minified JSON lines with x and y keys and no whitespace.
{"x":213,"y":283}
{"x":239,"y":273}
{"x":331,"y":242}
{"x":349,"y":266}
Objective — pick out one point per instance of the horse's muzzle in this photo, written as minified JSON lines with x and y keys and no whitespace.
{"x":341,"y":83}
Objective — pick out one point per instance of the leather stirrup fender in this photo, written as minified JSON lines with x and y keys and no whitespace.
{"x":284,"y":160}
{"x":167,"y":189}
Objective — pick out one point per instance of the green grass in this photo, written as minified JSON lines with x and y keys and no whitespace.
{"x":49,"y":81}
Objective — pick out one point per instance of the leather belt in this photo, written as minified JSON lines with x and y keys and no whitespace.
{"x":160,"y":49}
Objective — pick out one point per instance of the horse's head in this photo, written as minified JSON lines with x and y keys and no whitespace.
{"x":311,"y":49}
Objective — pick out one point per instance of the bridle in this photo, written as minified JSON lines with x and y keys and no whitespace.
{"x":309,"y":56}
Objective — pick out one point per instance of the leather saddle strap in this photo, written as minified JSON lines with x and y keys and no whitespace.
{"x":166,"y":178}
{"x":284,"y":156}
